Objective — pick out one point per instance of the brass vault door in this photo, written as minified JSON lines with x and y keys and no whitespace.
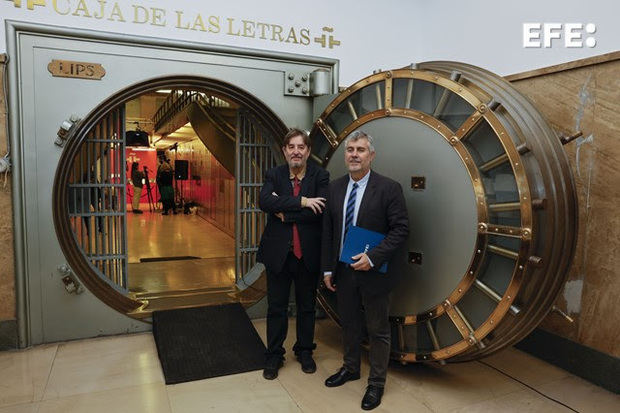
{"x":492,"y":205}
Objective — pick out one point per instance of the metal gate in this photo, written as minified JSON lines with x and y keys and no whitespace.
{"x":97,"y":191}
{"x":97,"y":199}
{"x":257,"y":152}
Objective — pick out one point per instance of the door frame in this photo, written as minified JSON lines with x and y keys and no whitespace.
{"x":15,"y":29}
{"x":101,"y":289}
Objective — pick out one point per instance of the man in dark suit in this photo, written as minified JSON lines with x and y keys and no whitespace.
{"x":374,"y":202}
{"x":294,"y":197}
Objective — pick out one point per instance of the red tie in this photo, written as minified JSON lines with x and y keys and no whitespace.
{"x":296,"y":241}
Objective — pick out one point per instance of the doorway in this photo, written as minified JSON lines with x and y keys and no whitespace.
{"x":46,"y":255}
{"x":180,"y":196}
{"x":167,"y":216}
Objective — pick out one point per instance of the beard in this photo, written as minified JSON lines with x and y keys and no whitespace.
{"x":296,"y":161}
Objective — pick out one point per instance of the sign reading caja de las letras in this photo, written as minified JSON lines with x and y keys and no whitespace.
{"x":173,"y":17}
{"x":78,"y":70}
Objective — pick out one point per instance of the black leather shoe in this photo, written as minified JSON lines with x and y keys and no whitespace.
{"x":271,"y":368}
{"x":341,"y":378}
{"x":307,"y":363}
{"x":372,"y":398}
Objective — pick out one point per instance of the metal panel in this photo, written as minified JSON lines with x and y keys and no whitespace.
{"x":40,"y":102}
{"x":443,"y":216}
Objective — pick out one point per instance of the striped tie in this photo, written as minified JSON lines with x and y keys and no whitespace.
{"x":348,"y":221}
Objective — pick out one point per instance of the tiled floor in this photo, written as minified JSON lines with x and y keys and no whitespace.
{"x":122,"y":374}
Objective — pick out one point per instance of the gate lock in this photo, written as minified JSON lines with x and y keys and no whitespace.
{"x":72,"y":285}
{"x":66,"y":127}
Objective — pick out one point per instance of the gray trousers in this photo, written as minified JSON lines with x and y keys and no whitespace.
{"x":356,"y":308}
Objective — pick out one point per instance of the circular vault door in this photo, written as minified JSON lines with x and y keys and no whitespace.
{"x":89,"y":199}
{"x":492,"y":208}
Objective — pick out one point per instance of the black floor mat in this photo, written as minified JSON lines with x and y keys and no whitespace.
{"x":198,"y":343}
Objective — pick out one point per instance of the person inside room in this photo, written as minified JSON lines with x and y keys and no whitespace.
{"x":164,"y":179}
{"x":137,"y":181}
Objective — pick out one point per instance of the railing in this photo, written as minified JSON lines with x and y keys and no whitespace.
{"x":178,"y":100}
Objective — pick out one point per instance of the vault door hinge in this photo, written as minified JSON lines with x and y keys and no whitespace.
{"x":66,"y":128}
{"x":69,"y":280}
{"x":296,"y":84}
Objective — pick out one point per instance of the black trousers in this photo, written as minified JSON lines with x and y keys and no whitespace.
{"x":356,"y":307}
{"x":278,"y":288}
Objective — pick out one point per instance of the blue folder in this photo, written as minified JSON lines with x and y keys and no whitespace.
{"x":360,"y":240}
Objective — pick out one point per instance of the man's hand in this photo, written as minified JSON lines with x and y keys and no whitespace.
{"x":315,"y":204}
{"x":328,"y":280}
{"x":280,"y":215}
{"x":362,"y":263}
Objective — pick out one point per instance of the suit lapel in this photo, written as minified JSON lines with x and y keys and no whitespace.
{"x":286,"y":181}
{"x":339,"y":193}
{"x":366,"y":198}
{"x":305,"y":183}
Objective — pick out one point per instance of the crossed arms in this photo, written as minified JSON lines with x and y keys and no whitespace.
{"x":294,"y":209}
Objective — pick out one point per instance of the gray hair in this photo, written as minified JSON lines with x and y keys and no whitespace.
{"x":357,"y":135}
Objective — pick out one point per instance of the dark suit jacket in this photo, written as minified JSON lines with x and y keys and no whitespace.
{"x":277,"y":237}
{"x":383,"y":209}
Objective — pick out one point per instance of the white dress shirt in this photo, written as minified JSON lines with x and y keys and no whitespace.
{"x":361,"y":188}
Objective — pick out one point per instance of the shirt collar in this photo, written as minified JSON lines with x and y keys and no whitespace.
{"x":300,"y":175}
{"x":361,"y":182}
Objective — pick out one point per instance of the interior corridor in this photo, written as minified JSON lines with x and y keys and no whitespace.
{"x":176,"y":253}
